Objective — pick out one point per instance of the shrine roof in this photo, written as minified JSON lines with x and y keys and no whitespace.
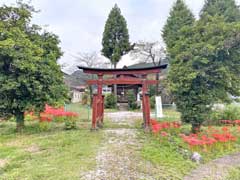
{"x":145,"y":70}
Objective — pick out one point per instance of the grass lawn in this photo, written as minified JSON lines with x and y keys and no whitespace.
{"x":53,"y":154}
{"x":171,"y":156}
{"x":234,"y":174}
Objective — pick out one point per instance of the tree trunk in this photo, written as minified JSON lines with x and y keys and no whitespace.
{"x":157,"y":85}
{"x":20,"y":121}
{"x":115,"y":85}
{"x":196,"y":127}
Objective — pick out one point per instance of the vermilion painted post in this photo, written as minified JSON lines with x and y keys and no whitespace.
{"x":94,"y":112}
{"x":100,"y":102}
{"x":143,"y":109}
{"x":147,"y":111}
{"x":102,"y":109}
{"x":146,"y":104}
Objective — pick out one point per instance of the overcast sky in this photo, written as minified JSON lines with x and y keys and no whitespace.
{"x":80,"y":23}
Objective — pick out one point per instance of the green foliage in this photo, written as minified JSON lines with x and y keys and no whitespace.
{"x":115,"y":37}
{"x":205,"y":67}
{"x":230,"y":112}
{"x":180,"y":16}
{"x":132,"y":102}
{"x":152,"y":90}
{"x":44,"y":126}
{"x":234,"y":174}
{"x":226,"y":8}
{"x":70,"y":123}
{"x":29,"y":74}
{"x":166,"y":158}
{"x":152,"y":102}
{"x":110,"y":101}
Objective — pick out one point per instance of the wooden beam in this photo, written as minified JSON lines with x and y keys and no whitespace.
{"x":136,"y":71}
{"x":121,"y":81}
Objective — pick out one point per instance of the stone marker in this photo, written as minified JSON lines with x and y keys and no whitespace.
{"x":158,"y":107}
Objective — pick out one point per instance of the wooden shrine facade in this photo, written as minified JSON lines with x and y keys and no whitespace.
{"x":121,"y":77}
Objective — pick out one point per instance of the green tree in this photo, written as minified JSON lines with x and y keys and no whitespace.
{"x":180,"y":16}
{"x":29,"y":74}
{"x":226,"y":8}
{"x":205,"y":67}
{"x":132,"y":102}
{"x":115,"y":40}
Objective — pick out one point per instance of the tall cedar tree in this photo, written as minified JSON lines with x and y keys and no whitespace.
{"x":29,"y":74}
{"x":180,"y":16}
{"x":226,"y":8}
{"x":115,"y":40}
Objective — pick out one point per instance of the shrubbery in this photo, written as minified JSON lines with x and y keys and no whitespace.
{"x":110,"y":101}
{"x":132,"y":103}
{"x":230,"y":112}
{"x":152,"y":102}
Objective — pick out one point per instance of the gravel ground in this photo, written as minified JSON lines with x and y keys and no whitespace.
{"x":216,"y":169}
{"x":118,"y":158}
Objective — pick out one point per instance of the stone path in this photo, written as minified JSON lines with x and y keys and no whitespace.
{"x":118,"y":158}
{"x":216,"y":169}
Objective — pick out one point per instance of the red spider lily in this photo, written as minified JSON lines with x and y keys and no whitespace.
{"x":230,"y":122}
{"x":51,"y":112}
{"x":45,"y":117}
{"x":164,"y":134}
{"x":237,"y":122}
{"x":59,"y":112}
{"x":158,"y":126}
{"x":225,"y":129}
{"x":226,"y":121}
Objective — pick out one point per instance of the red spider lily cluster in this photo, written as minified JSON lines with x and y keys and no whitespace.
{"x":212,"y":137}
{"x":230,"y":122}
{"x":159,"y":126}
{"x":51,"y":112}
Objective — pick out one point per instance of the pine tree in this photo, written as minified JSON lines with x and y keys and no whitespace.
{"x":180,"y":16}
{"x":226,"y":8}
{"x":115,"y":40}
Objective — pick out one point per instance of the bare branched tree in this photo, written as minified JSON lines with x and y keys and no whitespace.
{"x":90,"y":60}
{"x":150,"y":52}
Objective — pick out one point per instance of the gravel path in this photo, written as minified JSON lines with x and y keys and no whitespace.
{"x":118,"y":158}
{"x":216,"y":169}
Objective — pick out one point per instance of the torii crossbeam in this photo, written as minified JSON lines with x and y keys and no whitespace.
{"x":121,"y":76}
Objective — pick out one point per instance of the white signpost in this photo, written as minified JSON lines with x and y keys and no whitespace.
{"x":159,"y":111}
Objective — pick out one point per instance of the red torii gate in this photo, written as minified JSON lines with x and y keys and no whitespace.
{"x":121,"y":76}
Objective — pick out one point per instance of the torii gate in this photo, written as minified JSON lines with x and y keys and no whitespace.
{"x":121,"y":76}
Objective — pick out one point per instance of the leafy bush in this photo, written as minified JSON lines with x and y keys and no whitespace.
{"x":132,"y":104}
{"x":70,"y":123}
{"x":110,"y":101}
{"x":152,"y":102}
{"x":230,"y":112}
{"x":44,"y":125}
